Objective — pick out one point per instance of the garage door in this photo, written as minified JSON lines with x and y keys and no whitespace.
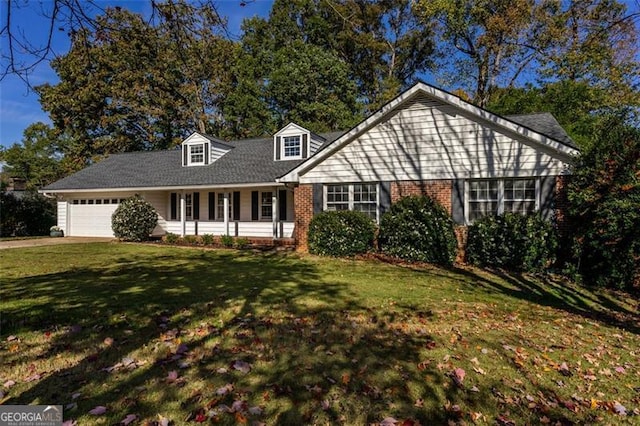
{"x":90,"y":220}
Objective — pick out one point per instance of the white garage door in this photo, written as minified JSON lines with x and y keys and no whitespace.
{"x":90,"y":220}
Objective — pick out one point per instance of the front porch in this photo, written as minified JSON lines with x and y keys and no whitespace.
{"x":258,"y":212}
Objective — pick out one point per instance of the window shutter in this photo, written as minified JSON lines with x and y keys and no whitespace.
{"x":174,"y":206}
{"x":185,"y":155}
{"x":236,"y":205}
{"x":254,"y":205}
{"x":457,"y":201}
{"x":278,"y":147}
{"x":547,"y":196}
{"x":385,"y":197}
{"x":212,"y":206}
{"x":304,"y":147}
{"x":206,"y":154}
{"x":317,"y":198}
{"x":282,"y":200}
{"x":196,"y":206}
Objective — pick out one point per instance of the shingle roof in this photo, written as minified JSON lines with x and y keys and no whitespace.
{"x":249,"y":161}
{"x":544,"y":123}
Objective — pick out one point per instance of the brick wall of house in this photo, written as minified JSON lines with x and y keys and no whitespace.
{"x":439,"y":190}
{"x":303,"y":209}
{"x":561,"y":204}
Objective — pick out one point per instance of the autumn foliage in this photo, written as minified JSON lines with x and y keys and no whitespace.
{"x":605,"y":205}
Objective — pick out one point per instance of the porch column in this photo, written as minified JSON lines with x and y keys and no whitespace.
{"x":183,"y":214}
{"x":274,"y":211}
{"x":226,"y":213}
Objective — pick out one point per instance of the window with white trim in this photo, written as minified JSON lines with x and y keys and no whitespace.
{"x":196,"y":153}
{"x":266,"y":205}
{"x":497,"y":196}
{"x":361,"y":197}
{"x":291,"y":147}
{"x":337,"y":197}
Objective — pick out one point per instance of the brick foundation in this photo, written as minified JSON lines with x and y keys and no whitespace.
{"x":439,"y":190}
{"x":303,"y":209}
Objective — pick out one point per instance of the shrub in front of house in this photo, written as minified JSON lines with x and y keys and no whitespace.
{"x":241,"y":243}
{"x":226,"y":240}
{"x":134,"y":219}
{"x":208,"y":239}
{"x":171,"y":238}
{"x":418,"y":229}
{"x":512,"y":241}
{"x":30,"y":214}
{"x":341,"y":233}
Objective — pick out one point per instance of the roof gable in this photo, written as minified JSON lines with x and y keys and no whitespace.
{"x":449,"y":103}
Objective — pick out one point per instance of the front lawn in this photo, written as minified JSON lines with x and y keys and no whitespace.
{"x":152,"y":334}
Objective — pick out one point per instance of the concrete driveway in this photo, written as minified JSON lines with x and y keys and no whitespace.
{"x":37,"y":242}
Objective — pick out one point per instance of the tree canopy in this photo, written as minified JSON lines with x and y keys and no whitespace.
{"x":143,"y":82}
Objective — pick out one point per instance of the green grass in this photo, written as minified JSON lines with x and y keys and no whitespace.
{"x":327,"y":341}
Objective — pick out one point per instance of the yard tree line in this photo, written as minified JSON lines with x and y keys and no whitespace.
{"x":144,"y":82}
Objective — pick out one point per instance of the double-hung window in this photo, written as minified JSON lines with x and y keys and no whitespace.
{"x":361,"y":197}
{"x":497,"y":196}
{"x":196,"y":154}
{"x":266,"y":205}
{"x":291,"y":147}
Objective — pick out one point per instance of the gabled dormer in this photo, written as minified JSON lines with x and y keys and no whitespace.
{"x":294,"y":142}
{"x":202,"y":150}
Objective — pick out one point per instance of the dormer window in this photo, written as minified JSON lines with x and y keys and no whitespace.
{"x":196,"y":154}
{"x":292,"y":147}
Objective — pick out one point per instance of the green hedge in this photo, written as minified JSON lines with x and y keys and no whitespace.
{"x":512,"y":241}
{"x":134,"y":219}
{"x":341,"y":233}
{"x":418,"y":229}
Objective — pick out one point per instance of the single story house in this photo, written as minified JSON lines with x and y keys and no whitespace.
{"x":425,"y":141}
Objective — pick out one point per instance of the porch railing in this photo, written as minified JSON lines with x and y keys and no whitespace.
{"x":236,"y":228}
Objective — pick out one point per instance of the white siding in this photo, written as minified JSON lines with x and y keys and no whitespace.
{"x":160,"y":202}
{"x":428,"y":140}
{"x":314,"y":145}
{"x":62,"y":216}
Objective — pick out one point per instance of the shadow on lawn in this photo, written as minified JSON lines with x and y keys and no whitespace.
{"x":559,"y":294}
{"x":317,"y":355}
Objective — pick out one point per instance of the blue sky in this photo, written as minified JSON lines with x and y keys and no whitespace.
{"x":19,"y":107}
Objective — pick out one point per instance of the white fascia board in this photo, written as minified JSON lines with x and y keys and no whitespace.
{"x":563,"y":151}
{"x":164,"y":188}
{"x":290,"y":125}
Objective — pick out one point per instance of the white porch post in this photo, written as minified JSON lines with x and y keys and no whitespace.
{"x":226,"y":213}
{"x":183,"y":214}
{"x":274,"y":211}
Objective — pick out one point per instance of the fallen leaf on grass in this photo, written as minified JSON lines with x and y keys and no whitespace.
{"x":242,"y":366}
{"x":9,"y":383}
{"x":108,"y":341}
{"x":98,"y":411}
{"x":130,"y":418}
{"x":172,"y":376}
{"x":458,"y":376}
{"x":225,"y":389}
{"x":564,"y":369}
{"x":619,"y":409}
{"x":388,"y":421}
{"x":69,"y":423}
